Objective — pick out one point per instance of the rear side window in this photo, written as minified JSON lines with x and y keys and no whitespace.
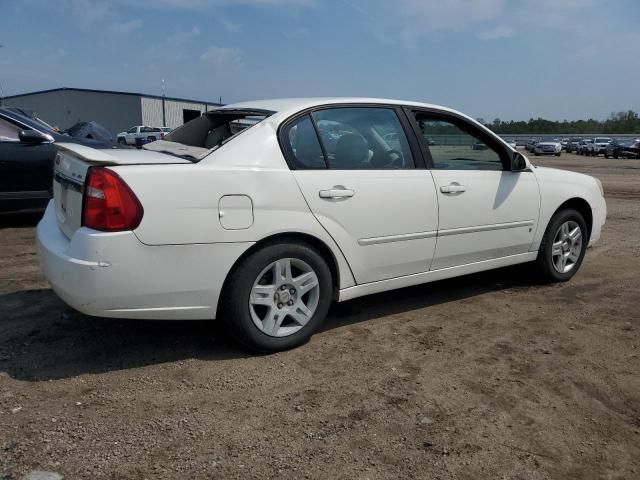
{"x":302,"y":146}
{"x":356,"y":138}
{"x":347,"y":138}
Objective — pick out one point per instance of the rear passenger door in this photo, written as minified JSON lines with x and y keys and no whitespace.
{"x":362,"y":179}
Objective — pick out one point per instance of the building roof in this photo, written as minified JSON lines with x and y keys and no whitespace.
{"x":72,"y":89}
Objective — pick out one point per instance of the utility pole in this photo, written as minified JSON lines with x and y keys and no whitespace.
{"x":164,"y":118}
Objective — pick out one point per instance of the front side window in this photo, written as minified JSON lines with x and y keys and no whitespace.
{"x":9,"y":132}
{"x":452,"y":148}
{"x":355,"y":138}
{"x":132,"y":130}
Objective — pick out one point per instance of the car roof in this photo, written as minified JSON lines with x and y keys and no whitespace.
{"x":285,"y":107}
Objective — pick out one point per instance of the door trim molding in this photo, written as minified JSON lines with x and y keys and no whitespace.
{"x":396,"y":238}
{"x":485,"y":228}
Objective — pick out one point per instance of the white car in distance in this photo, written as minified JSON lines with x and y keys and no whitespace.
{"x":262,"y":213}
{"x":599,"y":146}
{"x":548,"y":148}
{"x":141,"y":132}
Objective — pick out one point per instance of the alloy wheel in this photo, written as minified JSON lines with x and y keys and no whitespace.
{"x":284,"y":297}
{"x":567,"y":247}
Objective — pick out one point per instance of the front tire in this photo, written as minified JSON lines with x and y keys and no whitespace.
{"x":563,"y":246}
{"x":277,"y":297}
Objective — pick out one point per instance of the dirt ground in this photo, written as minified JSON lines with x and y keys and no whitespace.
{"x":487,"y":376}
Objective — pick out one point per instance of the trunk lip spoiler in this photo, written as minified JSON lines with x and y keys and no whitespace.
{"x":88,"y":153}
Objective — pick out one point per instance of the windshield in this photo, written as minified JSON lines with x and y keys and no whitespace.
{"x":602,"y":140}
{"x":205,"y":134}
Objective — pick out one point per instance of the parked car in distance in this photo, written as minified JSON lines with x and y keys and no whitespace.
{"x":27,"y":152}
{"x":598,"y":146}
{"x":564,"y":143}
{"x":615,"y":147}
{"x":530,"y":145}
{"x":583,"y":146}
{"x":631,"y":149}
{"x":134,"y":135}
{"x":572,"y":145}
{"x":548,"y":148}
{"x":262,"y":226}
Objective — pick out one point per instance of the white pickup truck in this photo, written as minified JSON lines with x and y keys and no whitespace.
{"x":141,"y":134}
{"x":598,"y":146}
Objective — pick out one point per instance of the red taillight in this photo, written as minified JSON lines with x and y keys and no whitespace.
{"x":109,"y":203}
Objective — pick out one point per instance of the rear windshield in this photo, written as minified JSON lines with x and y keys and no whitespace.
{"x":201,"y":136}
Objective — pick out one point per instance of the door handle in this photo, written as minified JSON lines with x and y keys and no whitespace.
{"x":453,"y":188}
{"x":337,"y":192}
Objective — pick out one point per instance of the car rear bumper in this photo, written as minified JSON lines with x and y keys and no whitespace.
{"x":116,"y":275}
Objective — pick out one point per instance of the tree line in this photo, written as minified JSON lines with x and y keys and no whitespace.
{"x":617,"y":122}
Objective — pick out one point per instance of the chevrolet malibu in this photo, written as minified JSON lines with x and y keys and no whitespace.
{"x":262,"y":213}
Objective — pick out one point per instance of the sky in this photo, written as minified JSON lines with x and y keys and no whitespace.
{"x":507,"y":59}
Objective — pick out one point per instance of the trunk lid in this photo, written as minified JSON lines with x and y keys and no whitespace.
{"x":70,"y":173}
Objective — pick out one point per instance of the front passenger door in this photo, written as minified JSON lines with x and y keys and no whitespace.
{"x":485,"y":211}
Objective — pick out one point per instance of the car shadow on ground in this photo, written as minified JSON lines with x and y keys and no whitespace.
{"x":422,"y":296}
{"x":43,"y":339}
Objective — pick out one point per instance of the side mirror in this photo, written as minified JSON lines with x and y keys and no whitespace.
{"x":34,"y":137}
{"x":518,"y":162}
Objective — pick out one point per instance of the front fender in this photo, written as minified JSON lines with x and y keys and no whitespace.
{"x":559,"y":186}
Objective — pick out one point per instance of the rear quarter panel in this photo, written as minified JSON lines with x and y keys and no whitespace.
{"x":181,"y":201}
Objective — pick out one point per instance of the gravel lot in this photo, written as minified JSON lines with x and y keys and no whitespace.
{"x":487,"y":376}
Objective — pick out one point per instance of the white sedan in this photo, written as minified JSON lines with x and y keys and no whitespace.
{"x":548,"y":148}
{"x":262,"y":213}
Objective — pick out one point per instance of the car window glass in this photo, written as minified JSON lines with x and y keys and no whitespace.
{"x":302,"y":143}
{"x":363,"y":138}
{"x":9,"y":132}
{"x":132,"y":130}
{"x":452,"y":148}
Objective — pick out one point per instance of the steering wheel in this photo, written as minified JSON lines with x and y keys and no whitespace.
{"x":399,"y":159}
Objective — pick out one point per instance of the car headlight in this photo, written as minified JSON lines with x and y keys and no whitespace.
{"x":599,"y":186}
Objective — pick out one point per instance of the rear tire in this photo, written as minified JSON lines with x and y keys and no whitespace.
{"x":563,"y":247}
{"x":269,"y":307}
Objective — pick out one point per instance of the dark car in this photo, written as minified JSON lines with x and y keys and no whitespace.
{"x":631,"y":150}
{"x":583,"y":146}
{"x":614,"y":148}
{"x":572,"y":144}
{"x":27,"y":152}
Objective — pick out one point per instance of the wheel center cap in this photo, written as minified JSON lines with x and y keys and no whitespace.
{"x":284,"y":296}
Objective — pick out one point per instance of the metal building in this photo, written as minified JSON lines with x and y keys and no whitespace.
{"x":116,"y":111}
